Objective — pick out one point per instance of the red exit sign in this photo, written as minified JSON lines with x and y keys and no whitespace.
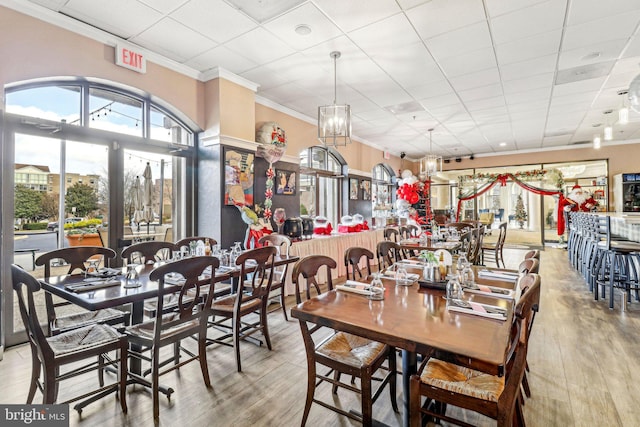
{"x":129,"y":57}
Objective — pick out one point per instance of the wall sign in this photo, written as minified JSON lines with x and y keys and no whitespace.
{"x":131,"y":58}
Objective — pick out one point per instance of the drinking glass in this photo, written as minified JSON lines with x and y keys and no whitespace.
{"x":377,"y":287}
{"x":92,"y":265}
{"x":176,"y":255}
{"x":467,"y":276}
{"x":454,"y":289}
{"x":461,"y":263}
{"x":279,"y":216}
{"x":132,"y":278}
{"x":224,"y":258}
{"x":402,"y":277}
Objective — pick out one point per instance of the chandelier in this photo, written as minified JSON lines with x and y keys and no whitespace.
{"x":334,"y":121}
{"x":430,"y":164}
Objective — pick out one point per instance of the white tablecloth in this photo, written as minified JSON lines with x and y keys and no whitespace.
{"x":333,"y":246}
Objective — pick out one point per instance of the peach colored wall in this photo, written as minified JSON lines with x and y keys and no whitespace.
{"x":301,"y":135}
{"x":212,"y":107}
{"x":32,"y":49}
{"x":622,"y":158}
{"x":237,"y":112}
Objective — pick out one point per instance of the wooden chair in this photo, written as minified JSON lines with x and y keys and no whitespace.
{"x":148,"y":252}
{"x":474,"y":252}
{"x":532,"y":254}
{"x":392,"y":233}
{"x":494,"y":250}
{"x":252,"y":296}
{"x":526,"y":282}
{"x":530,"y":265}
{"x":282,"y":243}
{"x":352,"y":258}
{"x":447,"y":384}
{"x":181,"y":278}
{"x":75,"y":257}
{"x":460,"y":226}
{"x":388,"y":253}
{"x":50,"y":354}
{"x":341,"y":353}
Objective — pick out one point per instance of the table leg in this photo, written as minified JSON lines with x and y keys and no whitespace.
{"x":409,"y":367}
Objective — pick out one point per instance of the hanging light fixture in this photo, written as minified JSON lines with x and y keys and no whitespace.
{"x":430,"y":164}
{"x":608,"y":128}
{"x":623,"y":112}
{"x":334,"y":121}
{"x":597,"y":142}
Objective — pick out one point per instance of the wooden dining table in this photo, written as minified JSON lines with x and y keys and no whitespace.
{"x":115,"y":296}
{"x":417,"y":321}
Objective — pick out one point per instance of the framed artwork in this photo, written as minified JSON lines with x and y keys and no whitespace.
{"x":353,"y":188}
{"x":366,"y":189}
{"x":285,"y":182}
{"x":238,"y":177}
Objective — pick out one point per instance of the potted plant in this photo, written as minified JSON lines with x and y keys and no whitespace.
{"x":83,"y":233}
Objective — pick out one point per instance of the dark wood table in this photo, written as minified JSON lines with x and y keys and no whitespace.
{"x":119,"y":295}
{"x":416,"y":320}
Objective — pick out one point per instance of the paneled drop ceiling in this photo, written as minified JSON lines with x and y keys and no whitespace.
{"x":489,"y":76}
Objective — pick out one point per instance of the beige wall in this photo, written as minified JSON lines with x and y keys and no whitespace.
{"x":237,"y":112}
{"x":32,"y":49}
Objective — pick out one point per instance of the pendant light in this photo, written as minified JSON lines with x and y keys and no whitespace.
{"x":334,"y":121}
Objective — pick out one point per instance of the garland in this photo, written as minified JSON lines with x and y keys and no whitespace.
{"x":553,"y":175}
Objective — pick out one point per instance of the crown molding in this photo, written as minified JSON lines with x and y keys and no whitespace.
{"x":208,"y":140}
{"x":222,"y":73}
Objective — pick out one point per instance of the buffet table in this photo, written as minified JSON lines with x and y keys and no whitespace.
{"x":333,"y":246}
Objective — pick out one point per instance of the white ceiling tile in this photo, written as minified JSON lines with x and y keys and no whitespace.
{"x":578,"y":98}
{"x":589,"y":10}
{"x":528,"y":96}
{"x":121,"y":17}
{"x":261,"y":46}
{"x":468,"y":63}
{"x":464,"y":40}
{"x":500,"y":7}
{"x":484,"y":103}
{"x":554,"y":141}
{"x":350,"y":15}
{"x":529,"y":109}
{"x":580,"y":56}
{"x":401,"y":65}
{"x":381,"y":36}
{"x":174,"y":40}
{"x":484,"y":92}
{"x":441,"y":101}
{"x":531,"y":67}
{"x":264,"y":77}
{"x":221,"y":57}
{"x":441,"y":16}
{"x":590,"y":85}
{"x":284,"y":27}
{"x":430,"y":90}
{"x":633,"y":48}
{"x":529,"y":47}
{"x":626,"y":65}
{"x":164,"y":6}
{"x":528,"y":83}
{"x":601,"y":30}
{"x":482,"y":78}
{"x":525,"y":22}
{"x":214,"y":19}
{"x":51,"y":4}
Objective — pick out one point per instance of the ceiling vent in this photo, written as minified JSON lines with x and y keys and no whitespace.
{"x":407,"y":107}
{"x":583,"y":72}
{"x":263,"y":10}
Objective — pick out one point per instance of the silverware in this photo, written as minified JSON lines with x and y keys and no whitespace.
{"x":492,"y":310}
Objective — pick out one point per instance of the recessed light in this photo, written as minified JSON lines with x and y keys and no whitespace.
{"x":303,"y":29}
{"x":503,"y":144}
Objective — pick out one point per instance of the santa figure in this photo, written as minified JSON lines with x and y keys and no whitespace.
{"x":576,"y":201}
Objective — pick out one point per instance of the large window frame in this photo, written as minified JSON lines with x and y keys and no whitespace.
{"x":116,"y":143}
{"x":324,"y":170}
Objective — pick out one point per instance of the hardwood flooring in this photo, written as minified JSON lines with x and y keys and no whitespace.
{"x":583,"y":358}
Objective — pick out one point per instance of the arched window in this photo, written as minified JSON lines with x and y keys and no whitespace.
{"x":320,"y":183}
{"x":382,"y":189}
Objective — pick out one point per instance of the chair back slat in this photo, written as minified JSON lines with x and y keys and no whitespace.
{"x":256,"y":272}
{"x":148,"y":252}
{"x":353,"y":257}
{"x":309,"y":268}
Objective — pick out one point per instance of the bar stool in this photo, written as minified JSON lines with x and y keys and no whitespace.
{"x":617,"y":265}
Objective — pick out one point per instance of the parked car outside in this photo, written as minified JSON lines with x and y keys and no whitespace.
{"x":53,"y":226}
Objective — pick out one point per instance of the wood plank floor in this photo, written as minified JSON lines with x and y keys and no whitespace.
{"x":583,"y":358}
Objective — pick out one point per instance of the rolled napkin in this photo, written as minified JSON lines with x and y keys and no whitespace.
{"x":355,"y":287}
{"x":500,"y":275}
{"x":477,"y":309}
{"x":494,"y":291}
{"x":92,"y":285}
{"x":411,"y":261}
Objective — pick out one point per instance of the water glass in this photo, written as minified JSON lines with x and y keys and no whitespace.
{"x":132,"y":278}
{"x":377,"y":287}
{"x":467,"y":276}
{"x":402,"y":277}
{"x":454,"y":289}
{"x":176,"y":255}
{"x":224,"y":258}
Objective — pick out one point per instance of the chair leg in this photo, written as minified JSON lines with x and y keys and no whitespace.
{"x":265,"y":324}
{"x":311,"y":389}
{"x":236,"y":341}
{"x":365,"y":387}
{"x":101,"y":370}
{"x":415,"y":401}
{"x":35,"y":375}
{"x":123,"y":377}
{"x":393,"y":379}
{"x":155,"y":382}
{"x":49,"y":392}
{"x":525,"y":385}
{"x":282,"y":304}
{"x":202,"y":354}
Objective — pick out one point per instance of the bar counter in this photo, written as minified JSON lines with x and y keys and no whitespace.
{"x":625,"y":225}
